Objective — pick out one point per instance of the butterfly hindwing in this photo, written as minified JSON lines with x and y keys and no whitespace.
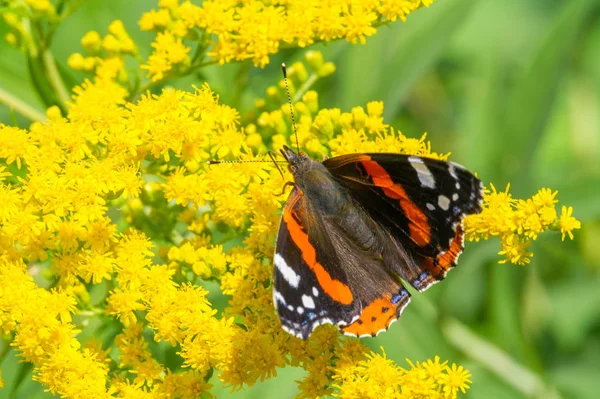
{"x":322,"y":275}
{"x":381,"y":294}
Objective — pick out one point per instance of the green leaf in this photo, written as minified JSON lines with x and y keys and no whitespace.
{"x":24,"y":371}
{"x":471,"y":271}
{"x":483,"y":138}
{"x":575,"y":310}
{"x":486,"y":385}
{"x":582,"y":195}
{"x":530,"y":101}
{"x":38,"y":77}
{"x":14,"y":79}
{"x":578,"y":378}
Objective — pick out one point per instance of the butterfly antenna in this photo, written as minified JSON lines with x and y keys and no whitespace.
{"x":287,"y":89}
{"x":245,"y":161}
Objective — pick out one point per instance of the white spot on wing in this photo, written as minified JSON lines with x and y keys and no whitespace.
{"x":444,"y":202}
{"x":315,"y":291}
{"x":300,"y":310}
{"x":287,"y":272}
{"x":277,"y":297}
{"x":454,"y":197}
{"x":452,"y":170}
{"x":415,"y":160}
{"x":308,"y":302}
{"x":425,"y":176}
{"x":431,"y":207}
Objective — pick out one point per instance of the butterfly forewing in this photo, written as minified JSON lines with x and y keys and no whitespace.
{"x":310,"y":283}
{"x":420,"y":201}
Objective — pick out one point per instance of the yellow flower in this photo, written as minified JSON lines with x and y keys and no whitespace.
{"x":16,"y":144}
{"x":97,"y":266}
{"x":91,"y":42}
{"x":117,"y":29}
{"x":456,"y":378}
{"x":40,"y":5}
{"x":100,"y":234}
{"x":358,"y":25}
{"x":123,"y":304}
{"x":568,"y":223}
{"x":168,"y":52}
{"x":188,"y":384}
{"x":434,"y":369}
{"x":155,"y":19}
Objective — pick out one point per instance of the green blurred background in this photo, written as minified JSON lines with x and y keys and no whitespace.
{"x":512,"y":89}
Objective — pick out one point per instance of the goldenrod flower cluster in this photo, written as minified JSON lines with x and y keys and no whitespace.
{"x":105,"y":55}
{"x":115,"y":196}
{"x":190,"y":35}
{"x":257,"y":29}
{"x":370,"y":379}
{"x":519,"y":222}
{"x":21,"y":34}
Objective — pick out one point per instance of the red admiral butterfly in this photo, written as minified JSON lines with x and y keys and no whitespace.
{"x":354,"y":225}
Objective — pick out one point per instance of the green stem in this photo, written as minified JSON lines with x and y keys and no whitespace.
{"x":498,"y":362}
{"x":28,"y":38}
{"x":304,"y":88}
{"x":200,"y":50}
{"x":54,"y":77}
{"x":5,"y":348}
{"x":21,"y":107}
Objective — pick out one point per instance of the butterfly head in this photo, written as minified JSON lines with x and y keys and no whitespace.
{"x":297,"y":162}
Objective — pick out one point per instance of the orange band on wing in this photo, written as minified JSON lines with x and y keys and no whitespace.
{"x":375,"y":317}
{"x":337,"y":290}
{"x":448,"y":259}
{"x":420,"y":231}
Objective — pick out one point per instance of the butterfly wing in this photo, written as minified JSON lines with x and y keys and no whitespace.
{"x":421,"y":202}
{"x":321,"y":276}
{"x":309,"y":286}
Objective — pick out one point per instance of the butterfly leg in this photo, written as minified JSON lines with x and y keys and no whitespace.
{"x":286,"y":185}
{"x":272,"y":155}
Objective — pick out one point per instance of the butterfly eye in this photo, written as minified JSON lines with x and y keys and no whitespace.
{"x":292,"y":168}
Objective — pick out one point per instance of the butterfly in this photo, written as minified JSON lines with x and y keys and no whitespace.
{"x":355,"y":227}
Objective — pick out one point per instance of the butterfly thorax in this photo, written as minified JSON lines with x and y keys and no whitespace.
{"x":327,"y":198}
{"x":317,"y":184}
